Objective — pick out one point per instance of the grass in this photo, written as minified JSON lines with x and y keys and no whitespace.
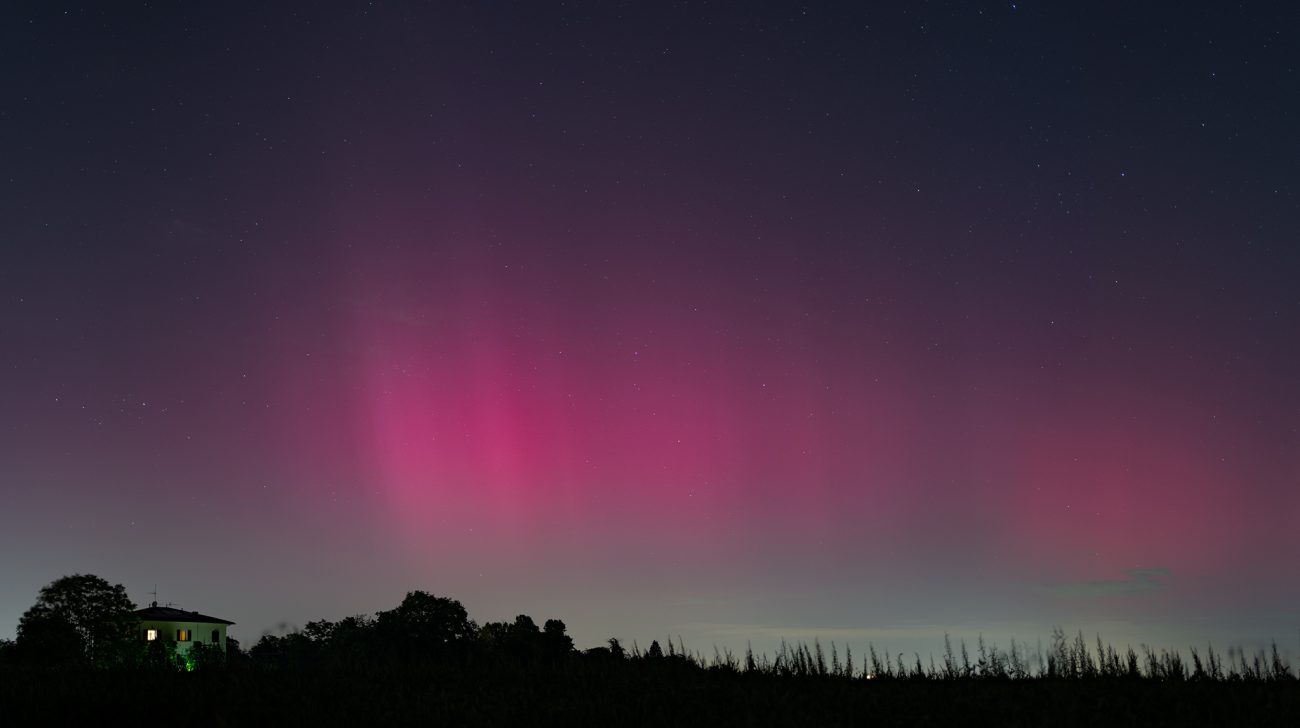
{"x":427,"y":663}
{"x":1070,"y":682}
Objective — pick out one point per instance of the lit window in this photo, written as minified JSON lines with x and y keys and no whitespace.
{"x":151,"y":634}
{"x":182,"y":635}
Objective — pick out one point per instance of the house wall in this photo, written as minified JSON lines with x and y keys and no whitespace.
{"x":200,"y":632}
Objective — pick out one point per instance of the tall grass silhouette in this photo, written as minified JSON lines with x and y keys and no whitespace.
{"x":426,"y":662}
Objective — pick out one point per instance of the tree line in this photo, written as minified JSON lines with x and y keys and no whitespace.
{"x":83,"y":621}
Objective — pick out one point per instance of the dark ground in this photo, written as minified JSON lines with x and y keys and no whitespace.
{"x":627,"y":694}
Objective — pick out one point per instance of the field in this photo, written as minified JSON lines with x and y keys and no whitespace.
{"x":425,"y":662}
{"x":587,"y":690}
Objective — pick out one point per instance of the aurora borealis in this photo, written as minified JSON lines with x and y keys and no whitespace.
{"x":849,"y":320}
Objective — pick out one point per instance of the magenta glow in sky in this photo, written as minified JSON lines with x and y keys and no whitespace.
{"x":858,"y":324}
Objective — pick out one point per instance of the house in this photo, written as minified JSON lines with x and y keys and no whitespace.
{"x":184,"y":628}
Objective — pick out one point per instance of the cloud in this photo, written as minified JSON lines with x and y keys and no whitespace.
{"x":1139,"y":581}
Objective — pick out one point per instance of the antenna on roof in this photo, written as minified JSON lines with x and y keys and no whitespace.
{"x":155,"y":595}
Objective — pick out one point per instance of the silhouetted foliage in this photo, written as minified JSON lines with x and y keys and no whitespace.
{"x":48,"y":639}
{"x":236,"y":657}
{"x":80,"y":619}
{"x":612,"y":651}
{"x":521,"y":639}
{"x":205,"y":657}
{"x":555,"y":643}
{"x":159,"y":656}
{"x":424,"y":625}
{"x":425,"y":661}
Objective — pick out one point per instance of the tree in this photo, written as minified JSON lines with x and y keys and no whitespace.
{"x":519,"y":639}
{"x":555,"y":640}
{"x":7,"y":652}
{"x":616,"y":648}
{"x":269,"y":651}
{"x":236,"y":658}
{"x":524,"y":630}
{"x":48,"y":639}
{"x":98,"y":613}
{"x":159,"y":655}
{"x":426,"y":625}
{"x":203,"y":656}
{"x":494,"y":635}
{"x":351,"y":639}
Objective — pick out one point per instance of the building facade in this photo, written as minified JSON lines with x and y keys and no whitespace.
{"x":182,"y":627}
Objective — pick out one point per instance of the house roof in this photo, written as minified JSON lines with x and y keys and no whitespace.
{"x":172,"y":614}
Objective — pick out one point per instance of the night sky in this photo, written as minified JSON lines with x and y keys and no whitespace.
{"x":864,"y":321}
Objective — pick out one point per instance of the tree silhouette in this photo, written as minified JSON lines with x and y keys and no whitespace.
{"x":554,"y":641}
{"x":204,"y":656}
{"x":48,"y":639}
{"x":424,"y":624}
{"x":159,"y":655}
{"x":97,"y":613}
{"x":524,"y":628}
{"x":494,"y":635}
